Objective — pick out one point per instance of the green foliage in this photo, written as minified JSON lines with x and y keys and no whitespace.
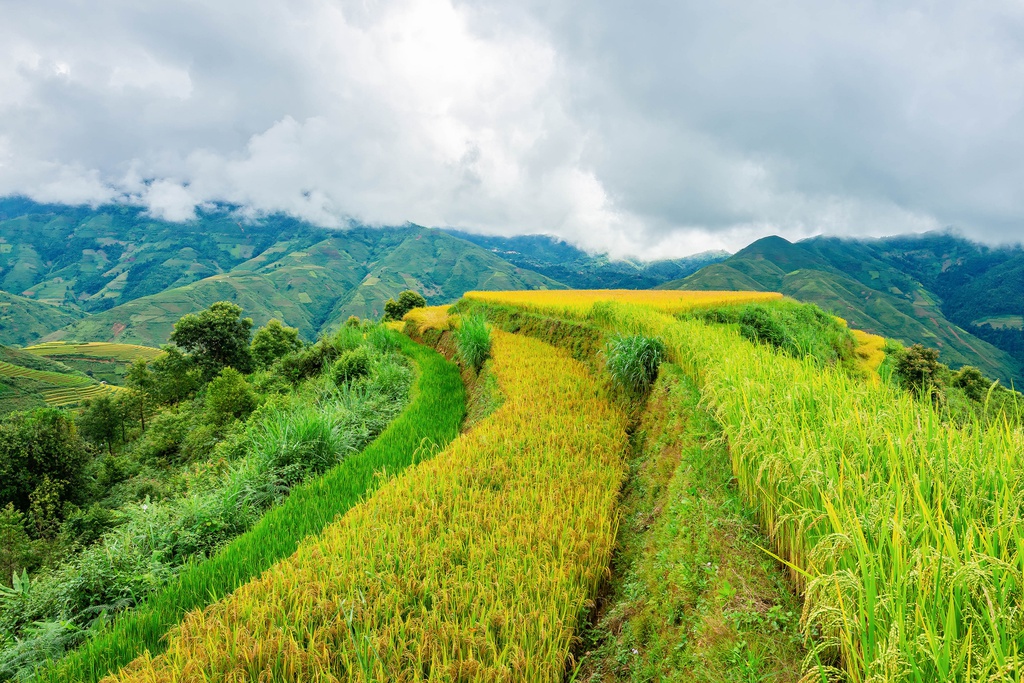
{"x":353,"y":321}
{"x":272,"y":341}
{"x":45,"y":507}
{"x":407,"y":300}
{"x":175,"y":377}
{"x":15,"y":549}
{"x":473,"y":340}
{"x":633,"y":361}
{"x":37,"y":446}
{"x":974,"y":384}
{"x":215,"y":338}
{"x":229,"y":397}
{"x":383,"y":339}
{"x":351,"y":365}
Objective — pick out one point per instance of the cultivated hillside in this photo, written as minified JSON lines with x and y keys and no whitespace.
{"x":23,"y":320}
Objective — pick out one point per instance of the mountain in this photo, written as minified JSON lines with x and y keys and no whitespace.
{"x":902,"y":288}
{"x":113,"y":274}
{"x":566,"y":263}
{"x":24,"y":320}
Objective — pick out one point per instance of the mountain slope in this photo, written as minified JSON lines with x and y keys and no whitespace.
{"x":861,"y":281}
{"x":24,"y":320}
{"x":316,"y":286}
{"x":562,"y":261}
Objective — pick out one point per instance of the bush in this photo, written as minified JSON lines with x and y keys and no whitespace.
{"x":347,"y":338}
{"x":351,"y":365}
{"x":229,"y":397}
{"x":633,"y":361}
{"x":353,"y":321}
{"x":918,"y":368}
{"x":473,"y":340}
{"x":407,"y":300}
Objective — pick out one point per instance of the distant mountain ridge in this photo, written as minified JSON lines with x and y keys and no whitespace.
{"x":576,"y":268}
{"x":929,"y":288}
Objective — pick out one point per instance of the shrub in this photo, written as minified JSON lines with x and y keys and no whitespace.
{"x":351,"y":365}
{"x":633,"y":361}
{"x":229,"y":397}
{"x":347,"y":338}
{"x":407,"y":300}
{"x":353,"y":321}
{"x":473,"y":340}
{"x":918,"y":368}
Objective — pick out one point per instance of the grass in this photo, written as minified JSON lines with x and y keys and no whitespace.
{"x":473,"y":340}
{"x":693,"y":596}
{"x":477,"y":565}
{"x":633,"y":361}
{"x":902,"y":532}
{"x":429,"y":422}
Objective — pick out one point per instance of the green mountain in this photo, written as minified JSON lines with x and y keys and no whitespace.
{"x":571,"y":265}
{"x":315,"y":286}
{"x":23,"y":320}
{"x":873,"y":284}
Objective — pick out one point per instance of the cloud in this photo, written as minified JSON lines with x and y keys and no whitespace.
{"x":655,"y":130}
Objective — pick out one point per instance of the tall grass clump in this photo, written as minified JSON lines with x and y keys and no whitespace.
{"x":902,"y":531}
{"x":303,"y":438}
{"x":475,"y":566}
{"x":473,"y":340}
{"x":633,"y":361}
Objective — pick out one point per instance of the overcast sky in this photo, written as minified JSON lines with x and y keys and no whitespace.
{"x":639,"y":128}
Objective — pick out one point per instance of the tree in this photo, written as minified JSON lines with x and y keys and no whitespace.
{"x":100,"y":421}
{"x":407,"y":300}
{"x":36,"y":445}
{"x":215,"y":338}
{"x":175,"y":377}
{"x":918,"y":367}
{"x":229,"y":397}
{"x":272,"y":341}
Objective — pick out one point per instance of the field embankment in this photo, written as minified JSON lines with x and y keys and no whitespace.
{"x":427,"y":424}
{"x":476,"y":565}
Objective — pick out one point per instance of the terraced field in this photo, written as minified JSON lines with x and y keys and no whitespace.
{"x":103,"y":350}
{"x":56,"y":388}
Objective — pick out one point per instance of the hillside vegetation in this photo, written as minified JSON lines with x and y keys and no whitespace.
{"x":29,"y":381}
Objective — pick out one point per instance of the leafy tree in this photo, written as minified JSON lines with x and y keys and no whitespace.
{"x":918,"y":367}
{"x":216,"y":338}
{"x":140,"y":380}
{"x":229,"y":397}
{"x":174,"y":377}
{"x":36,"y":445}
{"x":272,"y":341}
{"x":100,"y":421}
{"x":407,"y":300}
{"x":353,"y":321}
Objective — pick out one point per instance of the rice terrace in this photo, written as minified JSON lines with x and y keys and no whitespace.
{"x":570,"y":485}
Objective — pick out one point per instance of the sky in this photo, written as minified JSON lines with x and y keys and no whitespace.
{"x":650,"y":129}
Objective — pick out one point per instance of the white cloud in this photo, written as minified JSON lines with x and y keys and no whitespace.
{"x":660,"y":129}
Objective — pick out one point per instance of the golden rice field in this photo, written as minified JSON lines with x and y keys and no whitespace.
{"x":869,"y":352}
{"x":580,"y":301}
{"x":904,"y":534}
{"x":120,"y":352}
{"x":475,"y":565}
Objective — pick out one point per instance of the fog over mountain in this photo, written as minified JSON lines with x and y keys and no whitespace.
{"x":655,"y":130}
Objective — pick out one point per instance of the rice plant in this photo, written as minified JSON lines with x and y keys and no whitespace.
{"x":475,"y":566}
{"x":473,"y":340}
